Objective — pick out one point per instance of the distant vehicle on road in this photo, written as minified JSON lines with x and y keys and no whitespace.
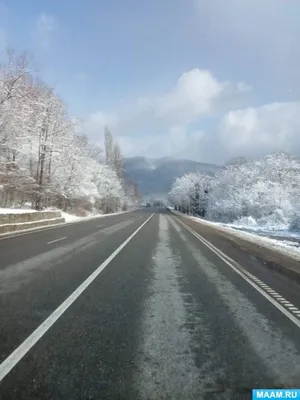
{"x":148,"y":205}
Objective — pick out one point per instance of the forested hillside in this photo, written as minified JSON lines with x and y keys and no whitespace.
{"x":156,"y":175}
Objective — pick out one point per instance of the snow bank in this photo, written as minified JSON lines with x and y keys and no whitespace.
{"x":269,"y":228}
{"x":283,"y":247}
{"x":74,"y":218}
{"x":273,"y":222}
{"x":286,"y":248}
{"x":70,"y":217}
{"x":16,"y":210}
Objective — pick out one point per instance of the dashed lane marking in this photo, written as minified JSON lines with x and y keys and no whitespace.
{"x":57,"y":240}
{"x":16,"y":356}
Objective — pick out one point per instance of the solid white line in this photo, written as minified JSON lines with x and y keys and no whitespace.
{"x":57,"y":240}
{"x":243,"y":273}
{"x":12,"y":360}
{"x":99,"y":226}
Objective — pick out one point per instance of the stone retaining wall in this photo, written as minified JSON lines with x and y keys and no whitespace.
{"x":17,"y":222}
{"x":28,"y":217}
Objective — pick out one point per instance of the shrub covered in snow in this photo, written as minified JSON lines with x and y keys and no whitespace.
{"x":261,"y":192}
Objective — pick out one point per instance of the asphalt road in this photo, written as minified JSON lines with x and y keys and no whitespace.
{"x":138,"y":306}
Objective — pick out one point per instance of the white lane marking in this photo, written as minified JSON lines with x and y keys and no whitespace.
{"x":57,"y":240}
{"x":247,"y":276}
{"x":12,"y":360}
{"x":99,"y":226}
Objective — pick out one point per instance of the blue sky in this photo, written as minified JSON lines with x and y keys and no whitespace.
{"x":203,"y":79}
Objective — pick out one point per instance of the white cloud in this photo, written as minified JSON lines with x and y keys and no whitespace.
{"x":94,"y":126}
{"x":192,"y":97}
{"x":168,"y":125}
{"x":162,"y":125}
{"x":255,"y":131}
{"x":249,"y":132}
{"x":195,"y":94}
{"x":176,"y":143}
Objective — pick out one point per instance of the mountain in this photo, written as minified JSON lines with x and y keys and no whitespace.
{"x":155,"y":176}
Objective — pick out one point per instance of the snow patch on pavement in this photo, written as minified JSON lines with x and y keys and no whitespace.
{"x":269,"y":342}
{"x":166,"y":367}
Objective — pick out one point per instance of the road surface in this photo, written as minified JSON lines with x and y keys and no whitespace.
{"x":138,"y":306}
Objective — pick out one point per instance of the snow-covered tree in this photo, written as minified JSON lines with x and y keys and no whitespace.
{"x":190,"y":193}
{"x":43,"y":159}
{"x":267,"y":189}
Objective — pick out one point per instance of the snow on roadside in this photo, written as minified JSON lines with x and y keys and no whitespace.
{"x":31,"y":222}
{"x":74,"y":218}
{"x":264,"y":224}
{"x":270,"y":227}
{"x":283,"y":247}
{"x":16,"y":210}
{"x":67,"y":216}
{"x":281,"y":234}
{"x":70,"y":217}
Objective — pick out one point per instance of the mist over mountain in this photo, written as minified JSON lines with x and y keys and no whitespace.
{"x":155,"y":176}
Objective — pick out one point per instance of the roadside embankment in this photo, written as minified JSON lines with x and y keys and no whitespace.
{"x":12,"y":222}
